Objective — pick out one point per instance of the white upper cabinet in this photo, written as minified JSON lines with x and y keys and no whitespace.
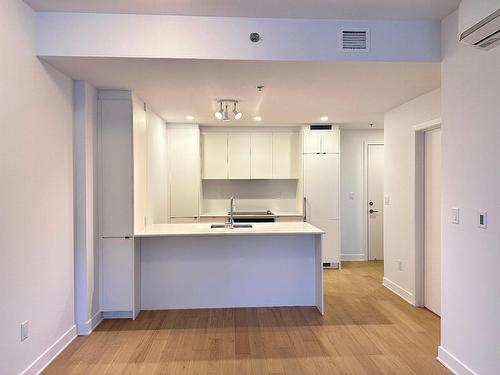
{"x":324,"y":141}
{"x":243,"y":155}
{"x":238,"y":155}
{"x":285,"y":155}
{"x":116,"y":167}
{"x":312,"y":142}
{"x":261,"y":156}
{"x":330,"y":141}
{"x":184,"y":171}
{"x":214,"y":156}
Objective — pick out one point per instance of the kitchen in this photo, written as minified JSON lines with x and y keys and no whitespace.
{"x":176,"y":198}
{"x":241,"y":187}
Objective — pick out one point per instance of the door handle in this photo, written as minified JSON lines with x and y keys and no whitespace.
{"x":372,"y":211}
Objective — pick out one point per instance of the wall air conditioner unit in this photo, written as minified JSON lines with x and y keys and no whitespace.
{"x":486,"y":34}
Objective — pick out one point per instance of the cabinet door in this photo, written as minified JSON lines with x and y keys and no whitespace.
{"x":214,"y":155}
{"x":321,"y":186}
{"x":184,"y":167}
{"x":238,"y":155}
{"x":312,"y":141}
{"x":261,"y":156}
{"x":285,"y":155}
{"x":331,"y":240}
{"x":117,"y":274}
{"x":140,"y":133}
{"x":116,"y":198}
{"x":329,"y":141}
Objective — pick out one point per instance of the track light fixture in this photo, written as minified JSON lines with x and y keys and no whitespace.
{"x":223,"y":113}
{"x":218,"y":114}
{"x":226,"y":115}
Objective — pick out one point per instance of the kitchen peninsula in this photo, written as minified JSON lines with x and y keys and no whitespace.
{"x":166,"y":190}
{"x":195,"y":266}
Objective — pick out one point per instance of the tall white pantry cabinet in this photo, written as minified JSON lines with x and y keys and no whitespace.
{"x":120,"y":115}
{"x":322,"y":185}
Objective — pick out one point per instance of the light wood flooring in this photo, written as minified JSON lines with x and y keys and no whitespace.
{"x":366,"y":330}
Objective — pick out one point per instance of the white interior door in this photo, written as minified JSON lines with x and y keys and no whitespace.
{"x":432,"y":226}
{"x":375,"y":204}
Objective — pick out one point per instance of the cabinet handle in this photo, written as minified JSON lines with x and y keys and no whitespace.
{"x":305,"y":209}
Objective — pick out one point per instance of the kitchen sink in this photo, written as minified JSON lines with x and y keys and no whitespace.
{"x":236,"y":226}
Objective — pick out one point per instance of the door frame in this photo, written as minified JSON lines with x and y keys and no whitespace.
{"x":418,"y":136}
{"x":366,"y":144}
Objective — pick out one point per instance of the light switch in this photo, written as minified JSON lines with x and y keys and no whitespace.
{"x":482,"y":220}
{"x":351,"y":195}
{"x":455,"y":215}
{"x":24,"y":330}
{"x":387,"y":200}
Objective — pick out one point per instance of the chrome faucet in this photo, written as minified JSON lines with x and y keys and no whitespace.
{"x":230,"y":221}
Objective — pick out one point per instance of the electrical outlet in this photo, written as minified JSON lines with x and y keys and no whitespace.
{"x":482,"y":220}
{"x":400,"y":265}
{"x":455,"y":215}
{"x":24,"y":330}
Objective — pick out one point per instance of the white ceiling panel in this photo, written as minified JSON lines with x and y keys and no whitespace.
{"x":352,"y":94}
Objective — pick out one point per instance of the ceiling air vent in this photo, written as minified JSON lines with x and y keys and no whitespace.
{"x":355,"y":40}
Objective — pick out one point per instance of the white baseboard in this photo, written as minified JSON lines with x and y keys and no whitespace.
{"x":401,"y":292}
{"x":52,"y":352}
{"x":117,"y":315}
{"x":452,"y":363}
{"x":353,"y":257}
{"x":85,"y":329}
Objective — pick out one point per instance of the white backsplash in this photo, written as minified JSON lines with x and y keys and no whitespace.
{"x":279,"y":196}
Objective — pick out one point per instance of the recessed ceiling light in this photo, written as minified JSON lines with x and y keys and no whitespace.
{"x":257,"y":118}
{"x":324,"y":118}
{"x":189,"y":118}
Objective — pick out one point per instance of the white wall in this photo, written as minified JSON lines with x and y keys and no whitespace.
{"x":470,"y":325}
{"x":163,"y":36}
{"x":157,"y":187}
{"x":352,"y":180}
{"x":85,"y":206}
{"x":399,"y":216}
{"x":36,"y":197}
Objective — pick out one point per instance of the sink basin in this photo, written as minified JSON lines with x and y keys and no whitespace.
{"x":236,"y":226}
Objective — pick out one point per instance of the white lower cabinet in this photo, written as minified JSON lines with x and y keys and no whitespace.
{"x":117,"y":274}
{"x":331,"y":239}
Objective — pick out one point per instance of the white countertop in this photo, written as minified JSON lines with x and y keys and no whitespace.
{"x":203,"y":229}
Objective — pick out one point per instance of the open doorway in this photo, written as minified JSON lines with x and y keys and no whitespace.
{"x":428,"y":220}
{"x":374,"y":198}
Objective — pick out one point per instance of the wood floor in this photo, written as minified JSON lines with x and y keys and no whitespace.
{"x":366,"y":330}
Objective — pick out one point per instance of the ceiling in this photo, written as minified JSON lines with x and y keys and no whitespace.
{"x":352,"y":94}
{"x":355,"y":9}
